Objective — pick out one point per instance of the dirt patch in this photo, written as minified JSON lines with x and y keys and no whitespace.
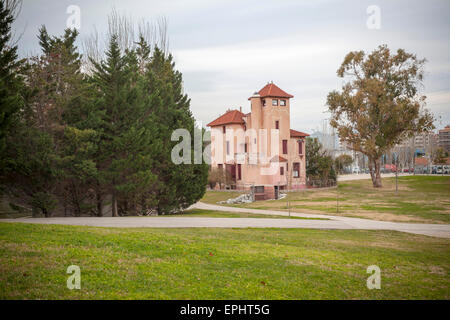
{"x":356,"y":212}
{"x":383,"y":216}
{"x":314,"y":203}
{"x":437,"y":270}
{"x":376,"y":244}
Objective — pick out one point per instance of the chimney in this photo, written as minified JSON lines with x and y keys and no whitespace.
{"x":240,"y":109}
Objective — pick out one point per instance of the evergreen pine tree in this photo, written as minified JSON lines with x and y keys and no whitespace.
{"x":179,"y":185}
{"x":10,"y":84}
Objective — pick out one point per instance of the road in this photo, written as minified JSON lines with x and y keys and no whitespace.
{"x":334,"y":222}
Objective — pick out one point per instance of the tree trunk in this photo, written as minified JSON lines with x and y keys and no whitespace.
{"x":65,"y":208}
{"x":143,"y":206}
{"x":99,"y":199}
{"x":114,"y":204}
{"x":377,"y":180}
{"x":372,"y":170}
{"x":99,"y":205}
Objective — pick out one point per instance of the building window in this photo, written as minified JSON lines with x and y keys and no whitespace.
{"x":283,"y":103}
{"x":296,"y":170}
{"x":220,"y":166}
{"x":287,"y":166}
{"x":300,"y":147}
{"x":245,"y":147}
{"x":239,"y":172}
{"x":224,"y":129}
{"x":274,"y":102}
{"x":281,"y":171}
{"x":264,"y":102}
{"x":228,"y":147}
{"x":285,"y":151}
{"x":258,"y":189}
{"x":277,"y":124}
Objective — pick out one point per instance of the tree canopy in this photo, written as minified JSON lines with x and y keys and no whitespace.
{"x":319,"y":165}
{"x":85,"y":143}
{"x":379,"y":104}
{"x":11,"y":82}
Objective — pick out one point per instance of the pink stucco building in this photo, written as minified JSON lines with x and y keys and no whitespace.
{"x":259,"y":149}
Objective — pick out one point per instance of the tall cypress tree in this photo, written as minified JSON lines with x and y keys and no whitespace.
{"x":179,"y":185}
{"x":10,"y":83}
{"x":117,"y":79}
{"x":52,"y":145}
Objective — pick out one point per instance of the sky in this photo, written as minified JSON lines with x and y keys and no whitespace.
{"x":226,"y":50}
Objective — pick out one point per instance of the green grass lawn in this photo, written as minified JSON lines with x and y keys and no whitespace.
{"x":219,"y":263}
{"x":216,"y":196}
{"x":423,"y":199}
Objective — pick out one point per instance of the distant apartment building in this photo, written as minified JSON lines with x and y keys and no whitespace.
{"x":421,"y":142}
{"x":444,"y":138}
{"x":425,"y":141}
{"x":259,"y":149}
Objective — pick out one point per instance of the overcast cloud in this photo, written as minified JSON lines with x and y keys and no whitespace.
{"x":226,"y":50}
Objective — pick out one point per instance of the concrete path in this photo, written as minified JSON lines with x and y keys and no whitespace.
{"x":362,"y":176}
{"x":184,"y":222}
{"x":435,"y":230}
{"x":334,"y":222}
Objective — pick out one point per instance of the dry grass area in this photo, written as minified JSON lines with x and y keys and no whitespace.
{"x":424,"y":199}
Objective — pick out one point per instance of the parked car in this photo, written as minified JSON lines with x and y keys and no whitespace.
{"x":446,"y":169}
{"x":355,"y":170}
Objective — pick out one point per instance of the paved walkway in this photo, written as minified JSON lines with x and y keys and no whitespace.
{"x":334,"y":222}
{"x":362,"y":176}
{"x":435,"y":230}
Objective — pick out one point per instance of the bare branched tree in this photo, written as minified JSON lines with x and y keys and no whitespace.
{"x":121,"y":26}
{"x":155,"y":33}
{"x":147,"y":30}
{"x":91,"y":50}
{"x":15,"y":7}
{"x":163,"y":39}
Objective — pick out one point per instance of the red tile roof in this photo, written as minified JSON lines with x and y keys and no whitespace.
{"x":279,"y":159}
{"x":271,"y":90}
{"x":422,"y":161}
{"x":231,"y":116}
{"x":295,"y":133}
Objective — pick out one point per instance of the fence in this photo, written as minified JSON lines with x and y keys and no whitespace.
{"x":326,"y":183}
